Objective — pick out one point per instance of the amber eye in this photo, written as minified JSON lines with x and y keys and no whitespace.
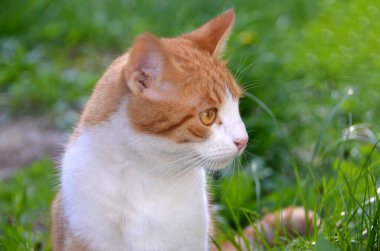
{"x":208,"y":116}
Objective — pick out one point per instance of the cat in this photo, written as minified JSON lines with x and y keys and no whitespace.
{"x":133,"y":173}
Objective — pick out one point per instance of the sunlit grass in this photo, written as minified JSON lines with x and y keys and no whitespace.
{"x":346,"y":200}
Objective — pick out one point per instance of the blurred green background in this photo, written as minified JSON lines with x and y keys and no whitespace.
{"x":311,"y":71}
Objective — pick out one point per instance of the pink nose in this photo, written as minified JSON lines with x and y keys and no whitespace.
{"x":241,"y":143}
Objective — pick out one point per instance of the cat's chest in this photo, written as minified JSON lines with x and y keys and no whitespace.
{"x":170,"y":216}
{"x":133,"y":209}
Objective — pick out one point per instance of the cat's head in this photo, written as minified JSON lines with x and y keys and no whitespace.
{"x":180,"y":91}
{"x":181,"y":98}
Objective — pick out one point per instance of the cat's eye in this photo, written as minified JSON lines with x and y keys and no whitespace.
{"x":208,"y":116}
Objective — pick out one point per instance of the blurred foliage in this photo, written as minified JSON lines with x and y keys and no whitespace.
{"x":24,"y":208}
{"x":311,"y":72}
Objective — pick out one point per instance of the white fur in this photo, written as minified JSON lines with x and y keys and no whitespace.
{"x":123,"y":190}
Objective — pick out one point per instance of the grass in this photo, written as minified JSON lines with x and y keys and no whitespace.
{"x":311,"y":75}
{"x":346,"y":198}
{"x":25,"y":202}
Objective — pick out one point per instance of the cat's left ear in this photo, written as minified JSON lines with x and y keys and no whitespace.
{"x":213,"y":35}
{"x":147,"y":64}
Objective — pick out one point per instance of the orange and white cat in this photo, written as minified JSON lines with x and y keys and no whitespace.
{"x":133,"y":174}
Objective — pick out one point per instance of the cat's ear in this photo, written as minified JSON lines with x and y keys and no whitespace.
{"x":213,"y":35}
{"x":146,"y":64}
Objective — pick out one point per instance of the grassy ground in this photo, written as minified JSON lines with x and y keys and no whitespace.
{"x":311,"y":72}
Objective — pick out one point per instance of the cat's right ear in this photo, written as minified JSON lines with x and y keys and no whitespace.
{"x":147,"y":62}
{"x":213,"y":35}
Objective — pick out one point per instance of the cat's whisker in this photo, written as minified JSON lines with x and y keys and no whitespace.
{"x":179,"y":169}
{"x":176,"y":171}
{"x":172,"y":170}
{"x":177,"y":177}
{"x":180,"y":178}
{"x":211,"y":167}
{"x":224,"y":171}
{"x":249,"y":89}
{"x":250,"y":86}
{"x":240,"y":162}
{"x":241,"y":71}
{"x":250,"y":154}
{"x":249,"y":126}
{"x":239,"y":68}
{"x":241,"y":74}
{"x":205,"y":166}
{"x":180,"y":159}
{"x":230,"y":180}
{"x":185,"y":159}
{"x":213,"y":171}
{"x":254,"y":81}
{"x":251,"y":144}
{"x":254,"y":140}
{"x":204,"y":163}
{"x":185,"y":172}
{"x":245,"y":157}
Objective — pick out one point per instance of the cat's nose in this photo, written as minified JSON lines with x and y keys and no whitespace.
{"x":241,"y":143}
